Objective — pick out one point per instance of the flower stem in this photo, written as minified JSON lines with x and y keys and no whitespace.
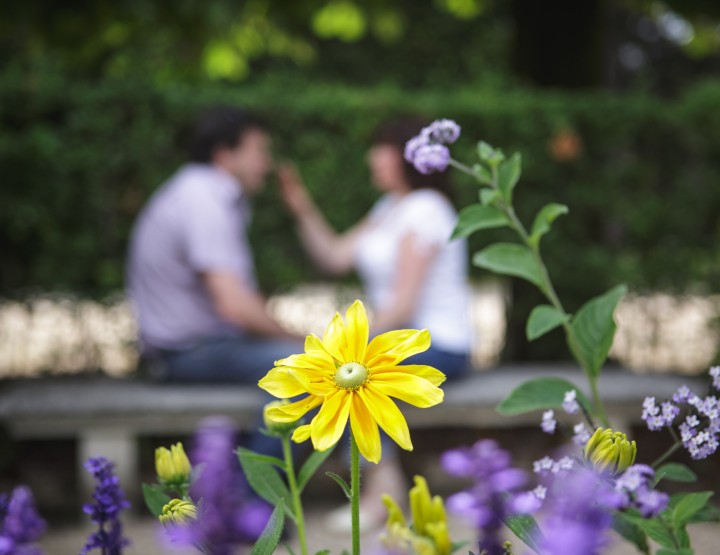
{"x":295,"y":493}
{"x":355,"y":494}
{"x":674,"y":447}
{"x":462,"y":167}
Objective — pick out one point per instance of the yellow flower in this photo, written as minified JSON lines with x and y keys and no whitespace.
{"x":609,"y":450}
{"x":178,"y":511}
{"x":275,"y":427}
{"x":428,"y":532}
{"x":354,"y":380}
{"x":172,"y":465}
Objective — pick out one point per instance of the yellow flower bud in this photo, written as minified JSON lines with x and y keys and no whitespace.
{"x":610,"y":451}
{"x":172,"y":465}
{"x":275,"y":426}
{"x":178,"y":511}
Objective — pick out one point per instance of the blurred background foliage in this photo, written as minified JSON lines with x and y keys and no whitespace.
{"x":612,"y":104}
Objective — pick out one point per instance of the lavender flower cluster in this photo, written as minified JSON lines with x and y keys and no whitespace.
{"x":109,"y":502}
{"x":226,"y":516}
{"x":20,"y":523}
{"x":496,"y":491}
{"x":700,"y":431}
{"x":570,"y":405}
{"x":634,"y":487}
{"x":428,"y":151}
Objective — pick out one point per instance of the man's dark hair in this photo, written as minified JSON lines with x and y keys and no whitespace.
{"x":396,"y":133}
{"x":217,"y":127}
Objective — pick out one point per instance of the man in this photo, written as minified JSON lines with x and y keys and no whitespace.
{"x":190,"y":269}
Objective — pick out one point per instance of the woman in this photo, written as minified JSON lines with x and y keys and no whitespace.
{"x":414,"y":276}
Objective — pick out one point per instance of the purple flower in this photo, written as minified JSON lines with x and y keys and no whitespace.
{"x":442,"y":131}
{"x":579,"y":515}
{"x":431,"y":158}
{"x":581,"y":434}
{"x":547,"y":466}
{"x":20,"y":523}
{"x":105,"y":511}
{"x":715,"y":374}
{"x":412,"y":146}
{"x":570,"y":404}
{"x":495,"y":493}
{"x":548,"y":423}
{"x":635,"y":487}
{"x":228,"y":515}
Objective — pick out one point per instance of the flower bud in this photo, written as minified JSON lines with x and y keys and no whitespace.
{"x":178,"y":511}
{"x":172,"y":465}
{"x":276,"y":427}
{"x":610,"y":451}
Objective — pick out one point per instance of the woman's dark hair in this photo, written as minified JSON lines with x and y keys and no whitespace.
{"x":217,"y":127}
{"x":398,"y":132}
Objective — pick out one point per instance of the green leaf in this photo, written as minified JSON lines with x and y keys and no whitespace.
{"x":525,"y":528}
{"x":540,"y":393}
{"x":264,"y":479}
{"x":675,"y":472}
{"x":488,"y":196}
{"x":482,"y":174}
{"x":475,"y":217}
{"x":688,"y":505}
{"x":594,"y":329}
{"x":655,"y":529}
{"x":682,"y":551}
{"x":270,"y":538}
{"x":266,"y":459}
{"x":509,"y":259}
{"x":155,"y":498}
{"x":311,"y":465}
{"x":708,"y":513}
{"x":508,"y":176}
{"x":485,"y":151}
{"x":323,"y":552}
{"x":631,"y":532}
{"x":342,"y":483}
{"x":544,"y":318}
{"x":547,"y":215}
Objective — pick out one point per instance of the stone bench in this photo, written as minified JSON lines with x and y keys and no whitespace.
{"x":106,"y":416}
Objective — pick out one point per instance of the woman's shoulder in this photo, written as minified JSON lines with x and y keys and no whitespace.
{"x":428,"y":201}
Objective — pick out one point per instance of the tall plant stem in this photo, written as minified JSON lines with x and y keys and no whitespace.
{"x":674,"y":447}
{"x":295,"y":493}
{"x":355,"y":494}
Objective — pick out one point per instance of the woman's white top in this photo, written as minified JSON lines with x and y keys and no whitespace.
{"x":429,"y":217}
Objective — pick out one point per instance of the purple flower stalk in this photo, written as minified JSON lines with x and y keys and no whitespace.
{"x":495,"y":493}
{"x":109,"y":502}
{"x":20,"y":523}
{"x":228,"y":516}
{"x":428,"y":151}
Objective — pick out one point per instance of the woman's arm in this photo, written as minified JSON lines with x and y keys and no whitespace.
{"x":413,"y":263}
{"x":331,"y":251}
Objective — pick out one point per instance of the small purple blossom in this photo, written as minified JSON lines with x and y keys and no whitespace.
{"x":431,"y":158}
{"x":20,"y":523}
{"x":570,"y":404}
{"x":495,"y":493}
{"x":109,"y":502}
{"x":548,"y":423}
{"x":547,"y":466}
{"x":581,"y":435}
{"x":715,"y":374}
{"x":442,"y":131}
{"x":635,"y":487}
{"x":412,"y":146}
{"x":229,"y":515}
{"x":682,"y":394}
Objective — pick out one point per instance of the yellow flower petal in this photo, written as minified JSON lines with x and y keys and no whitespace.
{"x":294,"y":411}
{"x":365,"y":430}
{"x":357,"y":331}
{"x":334,"y":340}
{"x":282,"y":383}
{"x":301,"y":433}
{"x":394,"y":346}
{"x":315,"y":361}
{"x":412,"y":389}
{"x":388,"y":416}
{"x":433,"y":375}
{"x":330,"y":422}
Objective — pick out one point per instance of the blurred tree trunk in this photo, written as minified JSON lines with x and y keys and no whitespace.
{"x":559,"y":43}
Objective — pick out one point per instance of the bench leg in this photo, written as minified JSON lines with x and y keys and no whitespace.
{"x":117,"y":445}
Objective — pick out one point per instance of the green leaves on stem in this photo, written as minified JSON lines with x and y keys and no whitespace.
{"x":543,"y":319}
{"x":510,"y":259}
{"x":540,"y":393}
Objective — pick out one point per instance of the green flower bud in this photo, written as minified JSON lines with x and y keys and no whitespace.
{"x":178,"y":511}
{"x":610,"y":451}
{"x":172,"y":465}
{"x":276,"y":427}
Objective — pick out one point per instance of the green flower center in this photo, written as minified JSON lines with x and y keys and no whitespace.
{"x":351,"y":375}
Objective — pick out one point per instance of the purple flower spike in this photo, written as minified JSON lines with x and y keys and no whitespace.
{"x":20,"y":523}
{"x":442,"y":131}
{"x":495,"y":493}
{"x":431,"y":158}
{"x":109,"y":501}
{"x":229,"y":516}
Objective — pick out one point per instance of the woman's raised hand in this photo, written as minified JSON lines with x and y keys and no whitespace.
{"x":293,"y":190}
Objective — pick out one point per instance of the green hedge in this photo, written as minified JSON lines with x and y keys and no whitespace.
{"x":79,"y":159}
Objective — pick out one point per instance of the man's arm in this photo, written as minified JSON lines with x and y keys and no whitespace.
{"x":241,"y":306}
